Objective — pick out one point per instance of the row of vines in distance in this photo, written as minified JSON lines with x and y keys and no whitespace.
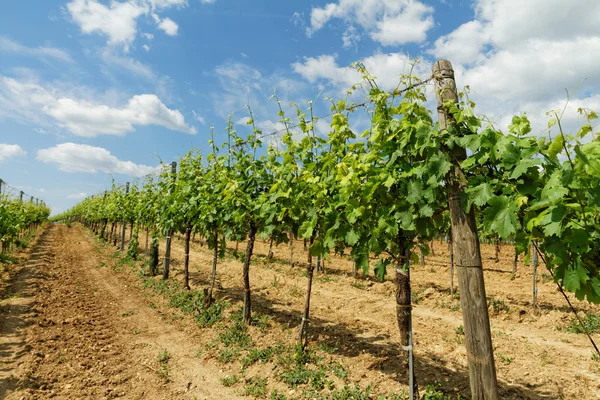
{"x":18,"y":216}
{"x":384,"y":192}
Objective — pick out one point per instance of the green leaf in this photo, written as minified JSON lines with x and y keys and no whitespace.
{"x":414,"y":194}
{"x":480,"y":194}
{"x":501,"y":216}
{"x":352,"y":237}
{"x":380,"y":270}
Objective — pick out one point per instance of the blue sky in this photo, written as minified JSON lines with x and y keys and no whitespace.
{"x":95,"y":89}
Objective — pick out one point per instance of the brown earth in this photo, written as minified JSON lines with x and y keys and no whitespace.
{"x":79,"y":329}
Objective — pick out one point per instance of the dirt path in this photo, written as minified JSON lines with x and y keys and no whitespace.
{"x":78,"y":330}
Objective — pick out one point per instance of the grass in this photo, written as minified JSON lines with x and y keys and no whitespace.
{"x":228,"y":355}
{"x":229,"y":381}
{"x":507,"y":360}
{"x":498,"y":306}
{"x":188,"y":301}
{"x":460,"y":330}
{"x":591,"y":323}
{"x":256,"y":387}
{"x":163,"y":362}
{"x":255,"y":355}
{"x":433,"y":392}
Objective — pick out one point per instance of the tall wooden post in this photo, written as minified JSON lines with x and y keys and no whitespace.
{"x":535,"y":262}
{"x":124,"y":224}
{"x":1,"y":182}
{"x":167,"y":259}
{"x":476,"y":322}
{"x":21,"y":193}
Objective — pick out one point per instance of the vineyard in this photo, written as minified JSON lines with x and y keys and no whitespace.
{"x":18,"y":217}
{"x":338,"y":265}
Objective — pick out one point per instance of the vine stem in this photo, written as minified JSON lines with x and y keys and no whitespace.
{"x":587,"y":333}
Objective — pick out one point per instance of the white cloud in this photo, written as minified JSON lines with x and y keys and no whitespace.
{"x":148,"y":36}
{"x":146,"y":47}
{"x":463,"y":45}
{"x":86,"y":118}
{"x":350,"y":37}
{"x":9,"y":46}
{"x":298,"y":19}
{"x":521,"y":56}
{"x":72,"y":157}
{"x":77,"y":196}
{"x":389,"y":22}
{"x":169,"y":26}
{"x":10,"y":150}
{"x":118,"y":21}
{"x":387,"y":68}
{"x":199,"y":118}
{"x":110,"y":57}
{"x":207,"y":1}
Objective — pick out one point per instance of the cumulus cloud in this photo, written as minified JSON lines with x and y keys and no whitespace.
{"x":388,"y":22}
{"x":169,"y":26}
{"x":9,"y":46}
{"x":521,"y":56}
{"x":118,"y":20}
{"x":72,"y":157}
{"x":387,"y":68}
{"x":87,"y":118}
{"x":10,"y":150}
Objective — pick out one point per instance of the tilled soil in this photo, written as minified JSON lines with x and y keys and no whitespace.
{"x":74,"y":330}
{"x":72,"y":327}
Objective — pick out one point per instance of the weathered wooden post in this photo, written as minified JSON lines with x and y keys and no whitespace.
{"x":124,"y":224}
{"x":535,"y":262}
{"x":167,"y":259}
{"x":476,"y":323}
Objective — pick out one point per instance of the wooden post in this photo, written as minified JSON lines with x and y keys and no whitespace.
{"x":534,"y":261}
{"x":451,"y":252}
{"x":21,"y":193}
{"x":124,"y":224}
{"x":167,"y":259}
{"x":476,"y":323}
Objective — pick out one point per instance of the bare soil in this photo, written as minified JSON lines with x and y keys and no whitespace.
{"x":76,"y":330}
{"x":73,"y":327}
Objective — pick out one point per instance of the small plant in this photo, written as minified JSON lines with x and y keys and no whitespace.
{"x":136,"y":331}
{"x":275,"y":395}
{"x":229,"y":381}
{"x":460,"y":330}
{"x":255,"y":355}
{"x":351,"y":393}
{"x":236,"y":335}
{"x":163,"y":357}
{"x":256,"y":387}
{"x":358,"y":285}
{"x":591,"y":324}
{"x":128,"y":314}
{"x":498,"y":306}
{"x":163,"y":361}
{"x":432,"y":392}
{"x":295,"y":292}
{"x":507,"y":360}
{"x":546,"y":277}
{"x":227,"y":355}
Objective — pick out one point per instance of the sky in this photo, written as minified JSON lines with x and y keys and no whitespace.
{"x":96,"y":90}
